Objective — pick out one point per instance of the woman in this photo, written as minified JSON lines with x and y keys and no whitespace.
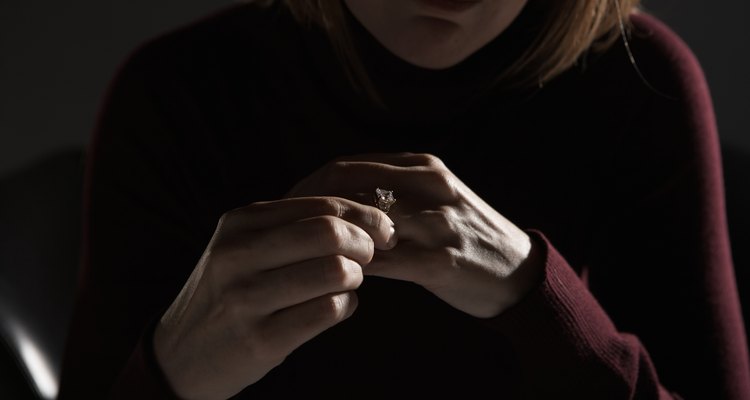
{"x":548,"y":217}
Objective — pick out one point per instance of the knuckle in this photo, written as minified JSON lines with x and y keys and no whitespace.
{"x":233,"y":249}
{"x":447,"y":257}
{"x":369,"y":217}
{"x":438,"y":178}
{"x":370,"y":250}
{"x":331,"y":232}
{"x":334,"y":236}
{"x":331,"y":206}
{"x":326,"y":225}
{"x":226,"y":218}
{"x":237,"y":218}
{"x":430,"y":160}
{"x":233,"y":213}
{"x":342,"y":273}
{"x":335,"y":270}
{"x":339,"y":159}
{"x":333,"y":307}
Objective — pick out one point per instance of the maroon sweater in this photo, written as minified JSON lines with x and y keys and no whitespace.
{"x":617,"y":175}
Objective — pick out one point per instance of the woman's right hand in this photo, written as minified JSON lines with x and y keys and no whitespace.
{"x":274,"y":275}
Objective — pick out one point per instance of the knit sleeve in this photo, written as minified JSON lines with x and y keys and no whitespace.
{"x":141,"y":377}
{"x":567,"y":345}
{"x":657,"y":315}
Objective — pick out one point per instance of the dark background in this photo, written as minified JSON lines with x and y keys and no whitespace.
{"x":57,"y":57}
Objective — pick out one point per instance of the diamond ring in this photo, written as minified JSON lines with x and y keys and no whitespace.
{"x":384,"y":199}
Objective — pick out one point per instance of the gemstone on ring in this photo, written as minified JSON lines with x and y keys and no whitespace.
{"x":384,"y":199}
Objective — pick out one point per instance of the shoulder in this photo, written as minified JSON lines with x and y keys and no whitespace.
{"x":661,"y":100}
{"x":651,"y":75}
{"x":664,"y":59}
{"x":227,"y":41}
{"x":185,"y":82}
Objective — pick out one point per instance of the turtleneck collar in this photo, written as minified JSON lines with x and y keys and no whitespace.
{"x":420,"y":96}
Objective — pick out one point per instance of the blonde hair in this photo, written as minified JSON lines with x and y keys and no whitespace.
{"x":569,"y":29}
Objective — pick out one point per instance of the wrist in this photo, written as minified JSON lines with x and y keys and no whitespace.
{"x":529,"y":274}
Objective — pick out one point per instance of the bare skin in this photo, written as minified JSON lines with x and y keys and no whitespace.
{"x":451,"y":242}
{"x":429,"y":36}
{"x":277,"y":274}
{"x":273,"y":276}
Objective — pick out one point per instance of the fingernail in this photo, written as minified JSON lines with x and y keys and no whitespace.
{"x":392,"y":238}
{"x":390,"y":221}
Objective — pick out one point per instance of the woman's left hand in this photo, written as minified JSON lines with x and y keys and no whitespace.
{"x":451,"y":242}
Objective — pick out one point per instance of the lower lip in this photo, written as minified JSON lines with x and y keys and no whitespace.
{"x":454,"y":6}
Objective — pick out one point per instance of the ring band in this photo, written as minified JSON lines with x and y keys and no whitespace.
{"x":384,"y":199}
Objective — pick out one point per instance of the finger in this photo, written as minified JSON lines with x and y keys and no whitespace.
{"x":398,"y":159}
{"x":291,"y":327}
{"x":427,"y":167}
{"x":430,"y":228}
{"x":286,"y":286}
{"x":348,"y":178}
{"x":268,"y":214}
{"x":412,"y":262}
{"x":295,"y":242}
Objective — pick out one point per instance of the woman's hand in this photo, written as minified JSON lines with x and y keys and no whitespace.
{"x":274,"y":275}
{"x":450,"y":241}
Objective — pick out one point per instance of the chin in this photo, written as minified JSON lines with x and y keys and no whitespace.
{"x":434,"y":45}
{"x":430,"y":56}
{"x":435,"y":62}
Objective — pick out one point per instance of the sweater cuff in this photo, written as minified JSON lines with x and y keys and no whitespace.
{"x":142,"y":378}
{"x":558,"y":330}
